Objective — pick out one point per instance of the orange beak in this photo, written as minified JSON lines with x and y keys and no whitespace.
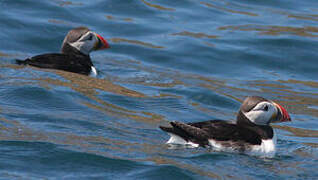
{"x":282,"y":114}
{"x":102,"y":43}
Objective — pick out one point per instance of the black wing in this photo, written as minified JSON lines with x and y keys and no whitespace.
{"x":219,"y":130}
{"x":67,"y":62}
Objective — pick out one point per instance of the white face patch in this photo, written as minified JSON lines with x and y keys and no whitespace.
{"x":86,"y":43}
{"x":262,"y":113}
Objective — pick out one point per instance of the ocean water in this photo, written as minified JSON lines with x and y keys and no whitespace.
{"x":183,"y":60}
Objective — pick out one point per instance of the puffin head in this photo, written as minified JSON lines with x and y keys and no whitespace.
{"x":261,"y":111}
{"x":84,"y":40}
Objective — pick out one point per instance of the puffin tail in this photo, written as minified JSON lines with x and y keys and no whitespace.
{"x":174,"y":130}
{"x":21,"y":62}
{"x":167,"y":129}
{"x":181,"y":131}
{"x":177,"y":136}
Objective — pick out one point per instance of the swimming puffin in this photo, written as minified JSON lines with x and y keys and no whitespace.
{"x":251,"y":133}
{"x":74,"y":56}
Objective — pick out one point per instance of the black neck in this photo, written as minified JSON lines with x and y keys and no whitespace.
{"x":68,"y":49}
{"x":265,"y":131}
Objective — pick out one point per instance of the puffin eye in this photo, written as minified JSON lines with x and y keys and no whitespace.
{"x":266,"y":108}
{"x":90,"y":37}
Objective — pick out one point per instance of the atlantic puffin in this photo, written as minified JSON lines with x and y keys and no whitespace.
{"x":74,"y":56}
{"x":251,"y":133}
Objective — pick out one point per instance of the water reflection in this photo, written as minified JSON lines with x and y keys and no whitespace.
{"x":56,"y":21}
{"x":156,"y":6}
{"x":87,"y":86}
{"x":305,"y":31}
{"x":4,"y":55}
{"x":210,"y":5}
{"x":110,"y":17}
{"x":163,"y":161}
{"x":299,"y":16}
{"x":298,"y":131}
{"x":195,"y":35}
{"x":67,"y":3}
{"x":136,"y":42}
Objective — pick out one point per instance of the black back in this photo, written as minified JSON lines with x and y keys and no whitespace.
{"x":77,"y":63}
{"x":220,"y":130}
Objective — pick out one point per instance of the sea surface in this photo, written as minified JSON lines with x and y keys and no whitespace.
{"x":170,"y":60}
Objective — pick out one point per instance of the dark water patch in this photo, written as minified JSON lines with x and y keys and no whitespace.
{"x":32,"y":97}
{"x":60,"y":163}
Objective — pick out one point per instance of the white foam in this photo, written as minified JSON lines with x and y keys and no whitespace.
{"x":93,"y":71}
{"x":217,"y":146}
{"x":175,"y":139}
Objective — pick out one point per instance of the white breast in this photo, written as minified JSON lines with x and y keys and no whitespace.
{"x":266,"y":149}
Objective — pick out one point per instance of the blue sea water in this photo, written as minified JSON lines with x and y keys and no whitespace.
{"x":184,"y":60}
